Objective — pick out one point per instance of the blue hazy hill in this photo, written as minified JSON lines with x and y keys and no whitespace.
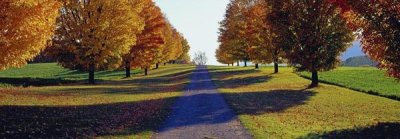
{"x":353,"y":51}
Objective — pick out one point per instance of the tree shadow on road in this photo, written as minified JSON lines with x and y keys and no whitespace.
{"x":133,"y":117}
{"x":243,"y":103}
{"x":98,"y":120}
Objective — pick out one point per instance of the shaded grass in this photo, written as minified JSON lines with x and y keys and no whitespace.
{"x":289,"y":110}
{"x":365,"y":79}
{"x":52,"y":74}
{"x":379,"y":131}
{"x":115,"y":108}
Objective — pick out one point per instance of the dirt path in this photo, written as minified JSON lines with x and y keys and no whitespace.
{"x":202,"y":113}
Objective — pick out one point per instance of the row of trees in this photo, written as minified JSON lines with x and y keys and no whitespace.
{"x":89,"y":35}
{"x":310,"y":35}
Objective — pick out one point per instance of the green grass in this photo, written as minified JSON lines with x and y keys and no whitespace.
{"x":54,"y":71}
{"x":52,"y":74}
{"x":366,"y":79}
{"x":114,"y":108}
{"x":281,"y":106}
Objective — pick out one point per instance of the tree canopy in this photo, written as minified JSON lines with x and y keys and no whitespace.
{"x":25,"y":29}
{"x":310,"y":34}
{"x":379,"y":29}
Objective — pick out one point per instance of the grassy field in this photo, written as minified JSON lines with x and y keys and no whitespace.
{"x":114,"y":108}
{"x":52,"y":74}
{"x":366,"y":79}
{"x":280,"y":106}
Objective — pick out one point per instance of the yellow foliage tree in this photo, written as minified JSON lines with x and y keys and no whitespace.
{"x":95,"y":35}
{"x":178,"y":46}
{"x":258,"y":33}
{"x":25,"y":28}
{"x":172,"y":48}
{"x":223,"y":56}
{"x":184,"y":58}
{"x":234,"y":31}
{"x":150,"y":41}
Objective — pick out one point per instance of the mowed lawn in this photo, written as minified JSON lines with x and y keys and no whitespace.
{"x":280,"y":106}
{"x":114,"y":108}
{"x":366,"y":79}
{"x":51,"y":74}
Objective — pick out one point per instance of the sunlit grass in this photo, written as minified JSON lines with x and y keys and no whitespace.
{"x":115,"y":107}
{"x":366,"y":79}
{"x":280,"y":106}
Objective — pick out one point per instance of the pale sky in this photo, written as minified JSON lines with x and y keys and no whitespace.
{"x":198,"y":21}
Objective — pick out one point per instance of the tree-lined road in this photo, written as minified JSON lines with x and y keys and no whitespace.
{"x":202,"y":113}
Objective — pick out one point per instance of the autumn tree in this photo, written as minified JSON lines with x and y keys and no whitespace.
{"x":150,"y":41}
{"x":233,"y":30}
{"x":224,"y":57}
{"x":94,"y":35}
{"x":172,"y":47}
{"x":224,"y":53}
{"x":276,"y":32}
{"x":184,"y":58}
{"x":318,"y":34}
{"x":379,"y":27}
{"x":259,"y":35}
{"x":177,"y":45}
{"x":25,"y":28}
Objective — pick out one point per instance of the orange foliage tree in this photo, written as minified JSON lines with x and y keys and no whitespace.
{"x":184,"y":58}
{"x":379,"y":27}
{"x":224,"y":57}
{"x":172,"y":47}
{"x":232,"y":31}
{"x":316,"y":34}
{"x":94,"y":35}
{"x":150,"y":41}
{"x":260,"y":35}
{"x":25,"y":28}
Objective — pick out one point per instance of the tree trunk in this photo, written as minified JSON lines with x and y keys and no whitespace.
{"x":157,"y":65}
{"x":91,"y":74}
{"x":245,"y":63}
{"x":145,"y":71}
{"x":257,"y":66}
{"x":238,"y":64}
{"x":314,"y":79}
{"x":228,"y":65}
{"x":165,"y":64}
{"x":276,"y":67}
{"x":127,"y":69}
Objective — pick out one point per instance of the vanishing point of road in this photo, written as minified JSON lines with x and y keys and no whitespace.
{"x":202,"y":113}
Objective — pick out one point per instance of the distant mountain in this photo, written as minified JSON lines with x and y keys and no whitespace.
{"x":354,"y":50}
{"x":359,"y":61}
